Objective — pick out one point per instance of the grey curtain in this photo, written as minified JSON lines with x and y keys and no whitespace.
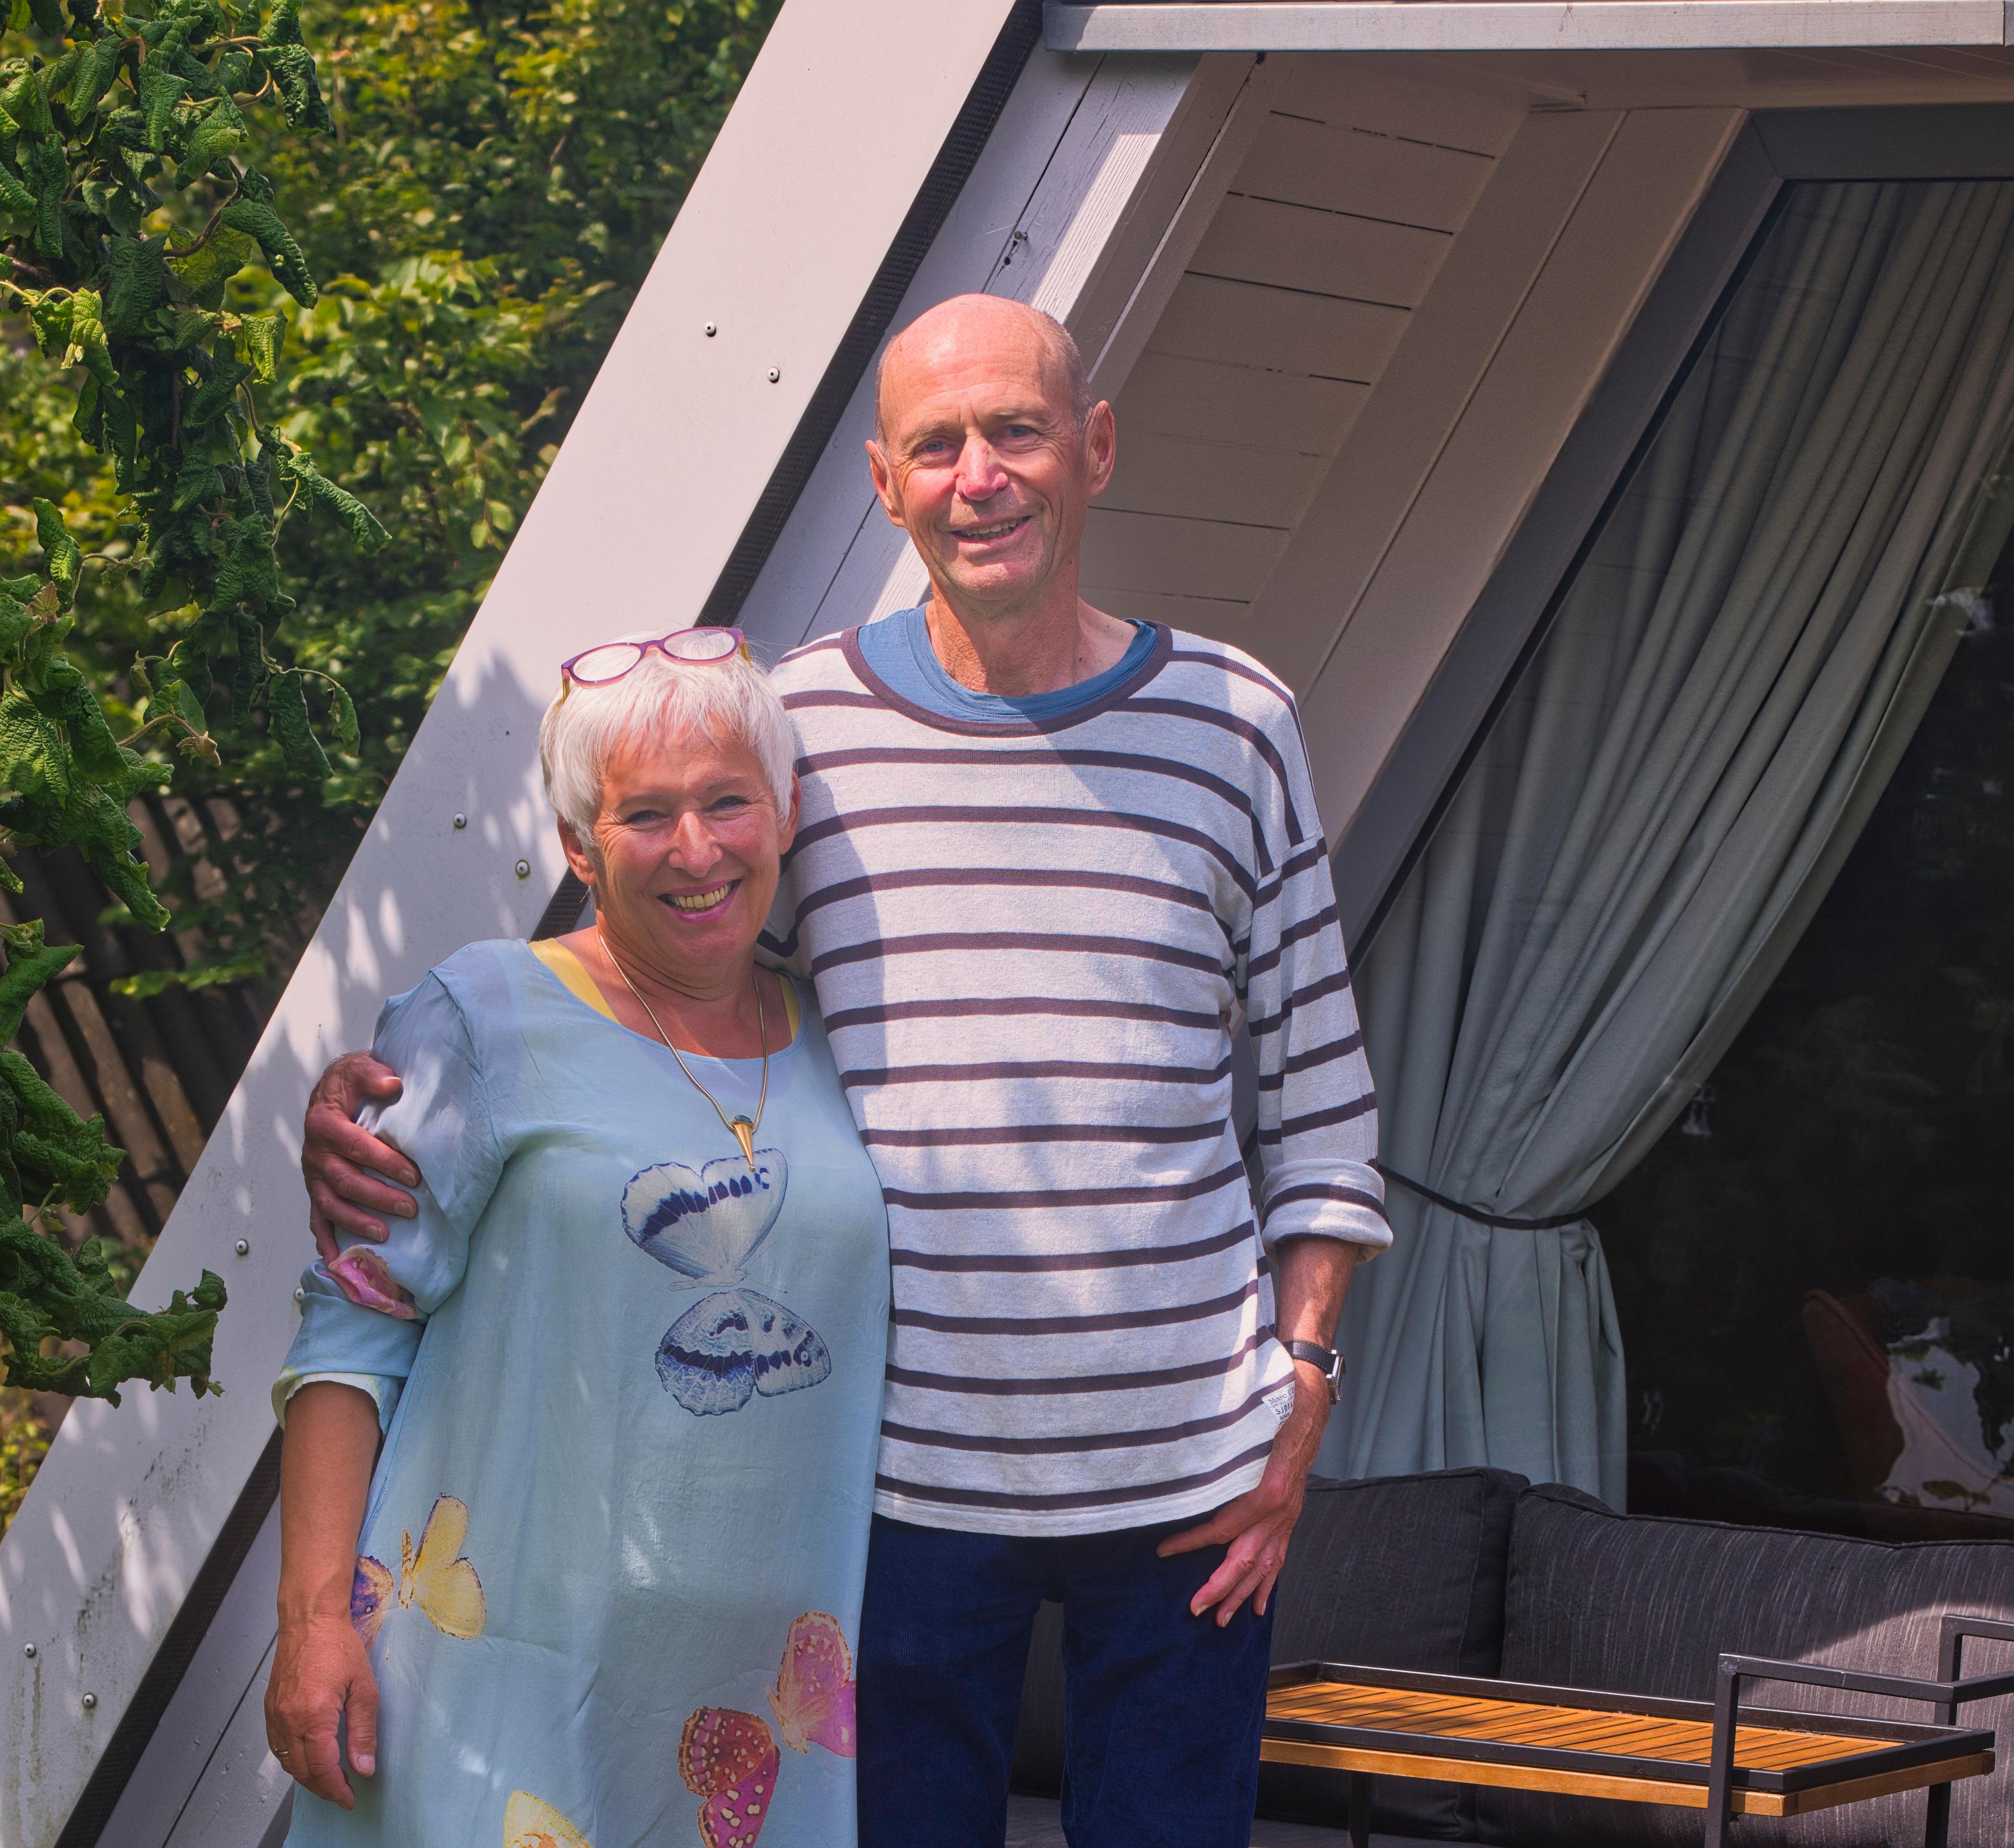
{"x":1664,"y":802}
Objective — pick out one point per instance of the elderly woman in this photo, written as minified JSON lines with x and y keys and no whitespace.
{"x":602,"y":1583}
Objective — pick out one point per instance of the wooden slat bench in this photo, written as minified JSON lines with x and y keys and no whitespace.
{"x":1695,"y":1754}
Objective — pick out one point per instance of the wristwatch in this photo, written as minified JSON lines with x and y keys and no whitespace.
{"x":1327,"y":1359}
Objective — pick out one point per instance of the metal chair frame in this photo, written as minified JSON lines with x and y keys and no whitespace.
{"x":1945,"y":1695}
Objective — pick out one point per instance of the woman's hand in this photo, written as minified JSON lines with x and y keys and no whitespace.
{"x":320,"y":1678}
{"x":320,"y":1675}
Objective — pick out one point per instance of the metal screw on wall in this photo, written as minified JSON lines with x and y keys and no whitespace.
{"x":28,"y":1649}
{"x":775,"y":373}
{"x":300,"y":1295}
{"x":711,"y":330}
{"x":524,"y":869}
{"x":461,"y":821}
{"x":90,"y":1701}
{"x":243,"y":1247}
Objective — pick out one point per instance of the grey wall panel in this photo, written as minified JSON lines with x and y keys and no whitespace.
{"x":197,"y":1764}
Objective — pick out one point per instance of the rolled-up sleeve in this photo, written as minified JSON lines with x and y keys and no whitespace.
{"x":1318,"y":1115}
{"x":363,"y":1313}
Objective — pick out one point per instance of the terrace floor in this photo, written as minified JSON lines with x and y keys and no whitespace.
{"x":1032,"y":1823}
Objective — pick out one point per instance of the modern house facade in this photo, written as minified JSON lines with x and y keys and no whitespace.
{"x":1598,"y":414}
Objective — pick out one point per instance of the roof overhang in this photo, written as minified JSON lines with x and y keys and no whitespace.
{"x":1519,"y":25}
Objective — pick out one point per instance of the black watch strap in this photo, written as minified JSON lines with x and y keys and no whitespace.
{"x":1327,"y":1359}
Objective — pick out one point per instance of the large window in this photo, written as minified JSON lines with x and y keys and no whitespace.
{"x":1690,"y":1020}
{"x":1814,"y":1269}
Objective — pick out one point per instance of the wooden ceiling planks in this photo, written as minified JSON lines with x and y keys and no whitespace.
{"x":1334,"y":227}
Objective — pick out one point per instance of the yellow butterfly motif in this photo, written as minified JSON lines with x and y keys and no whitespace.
{"x":528,"y":1823}
{"x":440,"y":1579}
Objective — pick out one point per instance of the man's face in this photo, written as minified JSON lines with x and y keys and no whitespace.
{"x":980,"y":458}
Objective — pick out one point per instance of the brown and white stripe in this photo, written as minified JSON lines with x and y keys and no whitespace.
{"x":1032,"y":943}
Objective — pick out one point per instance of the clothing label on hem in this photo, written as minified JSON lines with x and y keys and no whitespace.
{"x":1280,"y":1402}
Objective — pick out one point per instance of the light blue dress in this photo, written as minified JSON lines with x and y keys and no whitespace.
{"x":613,"y":1554}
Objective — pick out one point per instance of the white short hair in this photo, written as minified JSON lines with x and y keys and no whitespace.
{"x":586,"y":726}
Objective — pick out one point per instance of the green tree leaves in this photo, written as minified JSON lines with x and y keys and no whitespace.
{"x":501,"y":179}
{"x":62,"y":557}
{"x":364,"y":530}
{"x":260,"y":223}
{"x":65,"y":780}
{"x":48,"y":1298}
{"x":127,"y":211}
{"x":130,"y":136}
{"x":48,"y":1155}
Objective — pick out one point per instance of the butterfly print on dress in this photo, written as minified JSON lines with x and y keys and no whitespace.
{"x":705,"y":1223}
{"x":363,"y":1275}
{"x":530,"y":1822}
{"x":437,"y":1577}
{"x":729,"y":1759}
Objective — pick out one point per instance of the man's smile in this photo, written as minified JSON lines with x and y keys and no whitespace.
{"x":985,"y":535}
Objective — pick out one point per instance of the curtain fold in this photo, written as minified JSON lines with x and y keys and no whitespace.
{"x":1662,"y":803}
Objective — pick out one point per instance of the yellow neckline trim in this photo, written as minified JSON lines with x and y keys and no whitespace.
{"x":572,"y":972}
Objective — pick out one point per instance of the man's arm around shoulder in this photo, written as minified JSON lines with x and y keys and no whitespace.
{"x":342,"y":1163}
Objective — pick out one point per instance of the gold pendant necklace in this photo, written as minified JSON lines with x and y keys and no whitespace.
{"x":739,"y":1127}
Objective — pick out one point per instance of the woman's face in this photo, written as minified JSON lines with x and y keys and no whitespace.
{"x":687,"y":849}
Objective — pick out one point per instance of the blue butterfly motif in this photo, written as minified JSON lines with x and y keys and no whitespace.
{"x":735,"y":1343}
{"x":705,"y":1223}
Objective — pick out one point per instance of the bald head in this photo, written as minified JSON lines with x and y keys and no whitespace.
{"x":988,"y":453}
{"x":967,"y":325}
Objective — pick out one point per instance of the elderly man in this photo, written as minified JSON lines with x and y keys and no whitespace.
{"x":1048,"y":862}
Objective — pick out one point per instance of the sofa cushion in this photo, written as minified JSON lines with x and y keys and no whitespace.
{"x":1646,"y":1605}
{"x":1396,"y":1572}
{"x":1399,"y":1572}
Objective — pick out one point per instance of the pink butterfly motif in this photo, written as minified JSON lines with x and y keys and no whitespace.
{"x":363,"y":1275}
{"x":813,"y":1696}
{"x":729,"y":1759}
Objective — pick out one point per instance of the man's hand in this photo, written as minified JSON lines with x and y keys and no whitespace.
{"x":342,"y":1162}
{"x":1311,"y":1277}
{"x":320,"y":1676}
{"x":1257,"y":1526}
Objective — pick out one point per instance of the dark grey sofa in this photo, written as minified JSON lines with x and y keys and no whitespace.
{"x":1475,"y":1572}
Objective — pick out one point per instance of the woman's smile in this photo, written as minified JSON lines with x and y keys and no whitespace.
{"x":707,"y":903}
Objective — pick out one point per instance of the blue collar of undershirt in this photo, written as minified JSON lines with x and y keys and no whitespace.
{"x":898,"y":649}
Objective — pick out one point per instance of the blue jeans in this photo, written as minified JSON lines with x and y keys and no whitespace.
{"x":1162,"y":1709}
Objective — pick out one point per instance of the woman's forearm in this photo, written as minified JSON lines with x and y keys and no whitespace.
{"x":321,"y":1677}
{"x":325,"y":1465}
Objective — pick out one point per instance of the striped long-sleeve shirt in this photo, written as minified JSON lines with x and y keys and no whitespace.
{"x":1033,"y":944}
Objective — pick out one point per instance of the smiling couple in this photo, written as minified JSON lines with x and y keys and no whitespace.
{"x":752,"y":1361}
